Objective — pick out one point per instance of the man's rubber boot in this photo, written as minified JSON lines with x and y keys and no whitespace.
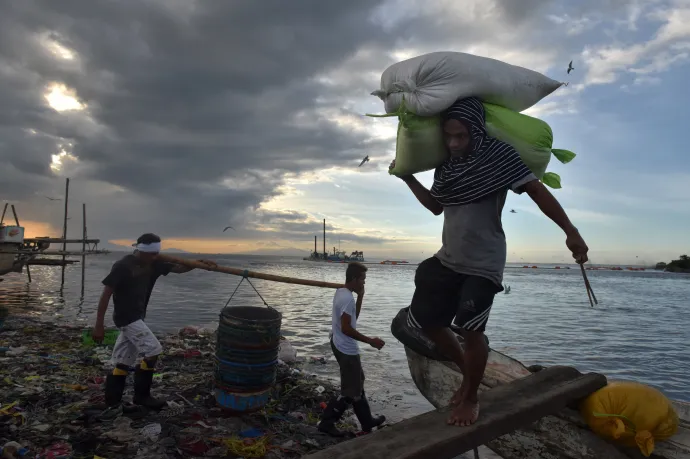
{"x":142,"y":390}
{"x":363,"y":413}
{"x":331,"y":415}
{"x":114,"y":388}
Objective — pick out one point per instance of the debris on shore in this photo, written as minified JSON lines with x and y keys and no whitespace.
{"x":52,"y":406}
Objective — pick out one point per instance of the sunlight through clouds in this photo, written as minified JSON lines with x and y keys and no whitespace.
{"x":61,"y":98}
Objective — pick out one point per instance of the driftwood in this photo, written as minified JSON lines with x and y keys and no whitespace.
{"x":503,"y":409}
{"x":246,"y":273}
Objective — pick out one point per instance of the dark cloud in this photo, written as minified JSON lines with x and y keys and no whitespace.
{"x":190,"y":105}
{"x":195,"y":110}
{"x":300,"y":226}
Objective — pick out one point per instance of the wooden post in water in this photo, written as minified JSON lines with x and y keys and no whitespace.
{"x":64,"y":232}
{"x":14,"y":212}
{"x":83,"y":248}
{"x":325,"y":255}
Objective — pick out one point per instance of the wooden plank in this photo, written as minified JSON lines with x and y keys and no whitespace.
{"x":59,"y":240}
{"x":503,"y":410}
{"x":49,"y":262}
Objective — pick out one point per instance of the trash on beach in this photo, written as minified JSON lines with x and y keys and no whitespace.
{"x":52,"y":402}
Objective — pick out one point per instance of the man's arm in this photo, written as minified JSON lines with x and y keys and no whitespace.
{"x":180,"y":269}
{"x":346,"y":327}
{"x":548,"y":204}
{"x":99,"y":329}
{"x":423,"y":195}
{"x":360,"y":297}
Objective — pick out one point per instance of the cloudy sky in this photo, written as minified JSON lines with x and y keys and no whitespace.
{"x":183,"y":116}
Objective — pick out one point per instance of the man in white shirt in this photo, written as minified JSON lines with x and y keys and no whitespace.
{"x":344,"y":337}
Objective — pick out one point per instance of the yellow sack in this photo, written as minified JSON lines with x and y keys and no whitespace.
{"x":630,"y":414}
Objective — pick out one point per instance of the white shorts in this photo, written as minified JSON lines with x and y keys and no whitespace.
{"x":136,"y":341}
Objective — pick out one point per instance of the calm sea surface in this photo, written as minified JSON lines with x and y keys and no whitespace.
{"x":639,"y":331}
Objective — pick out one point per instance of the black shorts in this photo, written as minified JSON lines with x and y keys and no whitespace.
{"x":351,"y":374}
{"x":443,"y":296}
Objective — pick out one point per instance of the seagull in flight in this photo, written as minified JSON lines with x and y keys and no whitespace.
{"x":229,"y":227}
{"x":512,"y":211}
{"x":52,"y":199}
{"x":366,"y":158}
{"x":570,"y":67}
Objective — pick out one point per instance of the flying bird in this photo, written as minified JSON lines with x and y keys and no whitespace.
{"x":512,"y":211}
{"x":52,"y":199}
{"x":229,"y":227}
{"x":570,"y":67}
{"x":366,"y":158}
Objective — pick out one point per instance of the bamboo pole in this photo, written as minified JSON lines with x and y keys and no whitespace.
{"x":64,"y":231}
{"x":83,"y":248}
{"x":246,"y":273}
{"x":14,"y":212}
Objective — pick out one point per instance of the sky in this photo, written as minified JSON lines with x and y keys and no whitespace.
{"x":182,"y":117}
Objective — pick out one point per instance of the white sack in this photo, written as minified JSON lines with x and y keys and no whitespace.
{"x":431,"y":83}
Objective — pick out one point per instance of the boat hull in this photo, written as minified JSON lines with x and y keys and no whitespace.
{"x":563,"y":435}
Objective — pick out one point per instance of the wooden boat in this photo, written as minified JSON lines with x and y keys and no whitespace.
{"x":563,"y":435}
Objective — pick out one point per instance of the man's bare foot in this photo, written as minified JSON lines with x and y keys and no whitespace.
{"x":464,"y":414}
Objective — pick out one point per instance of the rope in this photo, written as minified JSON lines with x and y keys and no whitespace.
{"x":245,"y":276}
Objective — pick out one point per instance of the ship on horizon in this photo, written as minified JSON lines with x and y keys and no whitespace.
{"x":338,"y":256}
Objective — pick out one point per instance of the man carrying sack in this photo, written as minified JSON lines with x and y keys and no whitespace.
{"x":459,"y":282}
{"x":343,"y":338}
{"x":130,"y":283}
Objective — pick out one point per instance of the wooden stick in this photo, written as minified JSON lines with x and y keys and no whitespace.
{"x":83,"y":248}
{"x":246,"y":273}
{"x":14,"y":212}
{"x":64,"y":230}
{"x":588,"y":287}
{"x":2,"y":219}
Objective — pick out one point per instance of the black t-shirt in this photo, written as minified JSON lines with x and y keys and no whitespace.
{"x":132,"y":284}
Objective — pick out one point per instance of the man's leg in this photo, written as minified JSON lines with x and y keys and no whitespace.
{"x":448,"y":345}
{"x":150,"y":348}
{"x":476,"y":299}
{"x":433,"y":306}
{"x":361,"y":404}
{"x":466,"y":401}
{"x":337,"y":405}
{"x":124,"y":357}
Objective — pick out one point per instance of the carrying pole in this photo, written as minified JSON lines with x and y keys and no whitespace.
{"x":246,"y":273}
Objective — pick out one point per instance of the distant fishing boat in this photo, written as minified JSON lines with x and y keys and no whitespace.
{"x":395,"y":262}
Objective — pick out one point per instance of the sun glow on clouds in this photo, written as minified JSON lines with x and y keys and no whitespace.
{"x":58,"y":50}
{"x":59,"y":160}
{"x":61,"y":98}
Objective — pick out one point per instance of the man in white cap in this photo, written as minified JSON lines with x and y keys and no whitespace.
{"x":130,"y":283}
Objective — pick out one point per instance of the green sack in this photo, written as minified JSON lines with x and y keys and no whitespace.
{"x":420,"y":146}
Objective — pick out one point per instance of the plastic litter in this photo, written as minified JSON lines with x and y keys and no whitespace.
{"x":151,"y":431}
{"x":52,"y":403}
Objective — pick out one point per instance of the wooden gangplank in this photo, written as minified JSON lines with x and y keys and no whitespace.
{"x":503,"y":409}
